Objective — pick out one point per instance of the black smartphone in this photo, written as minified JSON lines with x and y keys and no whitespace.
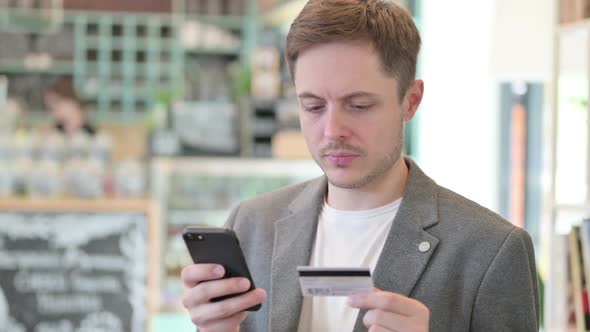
{"x":219,"y":246}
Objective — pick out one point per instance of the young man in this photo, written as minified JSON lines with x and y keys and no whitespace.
{"x":439,"y":261}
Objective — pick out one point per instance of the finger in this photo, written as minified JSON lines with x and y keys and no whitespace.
{"x":389,"y":320}
{"x":388,"y":301}
{"x":228,"y":324}
{"x":193,"y":274}
{"x":205,"y":291}
{"x":218,"y":310}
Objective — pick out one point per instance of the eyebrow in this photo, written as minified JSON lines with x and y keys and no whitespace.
{"x":357,"y":94}
{"x":308,"y":95}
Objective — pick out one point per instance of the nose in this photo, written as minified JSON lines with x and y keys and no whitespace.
{"x":336,"y":125}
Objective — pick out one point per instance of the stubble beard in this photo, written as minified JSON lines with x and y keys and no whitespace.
{"x":379,"y":170}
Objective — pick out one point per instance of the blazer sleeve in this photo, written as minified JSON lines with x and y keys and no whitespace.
{"x":508,"y":297}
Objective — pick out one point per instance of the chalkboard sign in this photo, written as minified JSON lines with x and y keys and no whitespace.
{"x":74,"y":271}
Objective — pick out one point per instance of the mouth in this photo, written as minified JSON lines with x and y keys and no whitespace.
{"x":340,"y":158}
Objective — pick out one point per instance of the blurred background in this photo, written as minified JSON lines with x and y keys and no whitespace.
{"x":122,"y":122}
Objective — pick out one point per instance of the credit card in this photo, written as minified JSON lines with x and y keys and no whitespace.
{"x":334,"y":281}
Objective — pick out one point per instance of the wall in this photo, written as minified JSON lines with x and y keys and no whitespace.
{"x":458,"y":124}
{"x":470,"y":47}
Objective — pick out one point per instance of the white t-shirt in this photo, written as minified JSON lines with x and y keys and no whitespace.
{"x":344,"y":239}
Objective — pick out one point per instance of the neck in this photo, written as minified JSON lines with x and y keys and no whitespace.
{"x":381,"y":191}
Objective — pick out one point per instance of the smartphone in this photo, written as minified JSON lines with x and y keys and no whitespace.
{"x":219,"y":246}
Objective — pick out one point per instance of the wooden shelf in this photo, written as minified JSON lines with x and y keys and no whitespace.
{"x":236,"y":166}
{"x":570,"y":49}
{"x":74,"y":204}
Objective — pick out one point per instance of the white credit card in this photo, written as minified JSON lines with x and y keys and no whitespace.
{"x":334,"y":281}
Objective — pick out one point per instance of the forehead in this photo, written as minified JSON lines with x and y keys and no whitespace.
{"x":339,"y":68}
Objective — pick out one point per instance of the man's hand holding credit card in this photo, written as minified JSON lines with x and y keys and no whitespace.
{"x":386,"y":311}
{"x":334,"y":281}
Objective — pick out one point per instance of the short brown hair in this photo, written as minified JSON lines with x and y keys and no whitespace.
{"x":386,"y":25}
{"x":64,"y":88}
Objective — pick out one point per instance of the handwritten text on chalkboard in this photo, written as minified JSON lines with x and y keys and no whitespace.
{"x":73,"y":272}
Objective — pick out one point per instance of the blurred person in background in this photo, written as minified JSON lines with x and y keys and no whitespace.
{"x":439,"y":261}
{"x":67,"y":108}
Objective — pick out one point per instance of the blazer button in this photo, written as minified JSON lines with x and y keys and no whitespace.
{"x":424,"y":246}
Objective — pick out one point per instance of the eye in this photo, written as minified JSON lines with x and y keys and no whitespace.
{"x":313,"y":109}
{"x":359,"y":107}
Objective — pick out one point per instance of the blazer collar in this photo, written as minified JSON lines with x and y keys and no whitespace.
{"x":402,"y":262}
{"x":398,"y":268}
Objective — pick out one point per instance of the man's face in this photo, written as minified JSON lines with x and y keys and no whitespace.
{"x":351,"y":115}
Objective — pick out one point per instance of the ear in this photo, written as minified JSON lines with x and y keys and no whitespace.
{"x":412,"y":99}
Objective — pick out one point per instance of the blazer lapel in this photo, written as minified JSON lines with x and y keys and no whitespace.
{"x":401,"y":261}
{"x":293,"y":243}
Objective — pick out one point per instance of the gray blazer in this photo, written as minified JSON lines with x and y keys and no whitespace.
{"x":479,"y":274}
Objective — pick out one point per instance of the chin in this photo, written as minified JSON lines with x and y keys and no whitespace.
{"x":346,"y":182}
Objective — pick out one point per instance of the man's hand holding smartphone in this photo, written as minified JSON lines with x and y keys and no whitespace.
{"x":202,"y":283}
{"x":218,"y":288}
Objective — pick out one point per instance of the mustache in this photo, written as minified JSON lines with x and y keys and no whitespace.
{"x":340,"y":147}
